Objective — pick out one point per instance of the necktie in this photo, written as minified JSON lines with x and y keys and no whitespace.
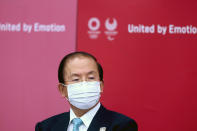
{"x":77,"y":122}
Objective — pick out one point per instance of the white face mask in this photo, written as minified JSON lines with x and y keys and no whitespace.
{"x":84,"y":95}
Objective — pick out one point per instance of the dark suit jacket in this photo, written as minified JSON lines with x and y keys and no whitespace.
{"x":113,"y":121}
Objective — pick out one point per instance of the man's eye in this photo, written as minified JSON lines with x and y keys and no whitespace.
{"x":75,"y":80}
{"x":91,"y":78}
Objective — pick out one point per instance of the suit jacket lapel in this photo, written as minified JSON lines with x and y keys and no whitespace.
{"x":99,"y":120}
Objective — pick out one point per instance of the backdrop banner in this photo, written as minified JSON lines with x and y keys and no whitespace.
{"x":34,"y":37}
{"x":148,"y":51}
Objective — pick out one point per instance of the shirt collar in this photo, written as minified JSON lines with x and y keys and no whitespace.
{"x":87,"y":117}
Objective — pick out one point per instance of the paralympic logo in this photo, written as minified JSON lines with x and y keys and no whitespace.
{"x":111,"y":31}
{"x":111,"y":26}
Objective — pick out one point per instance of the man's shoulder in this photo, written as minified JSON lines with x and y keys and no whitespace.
{"x":115,"y":116}
{"x":118,"y":121}
{"x":56,"y":117}
{"x":53,"y":120}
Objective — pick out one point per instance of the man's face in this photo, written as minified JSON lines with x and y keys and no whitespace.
{"x":80,"y":69}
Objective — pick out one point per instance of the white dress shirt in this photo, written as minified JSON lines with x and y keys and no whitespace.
{"x":86,"y":118}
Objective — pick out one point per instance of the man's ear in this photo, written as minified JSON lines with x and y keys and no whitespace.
{"x":102,"y":86}
{"x":63,"y":90}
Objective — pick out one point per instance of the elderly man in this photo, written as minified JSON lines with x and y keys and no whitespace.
{"x":81,"y":83}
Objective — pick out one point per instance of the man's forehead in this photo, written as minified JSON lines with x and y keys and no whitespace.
{"x":80,"y":59}
{"x":81,"y":64}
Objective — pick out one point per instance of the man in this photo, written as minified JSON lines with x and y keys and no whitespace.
{"x":81,"y":82}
